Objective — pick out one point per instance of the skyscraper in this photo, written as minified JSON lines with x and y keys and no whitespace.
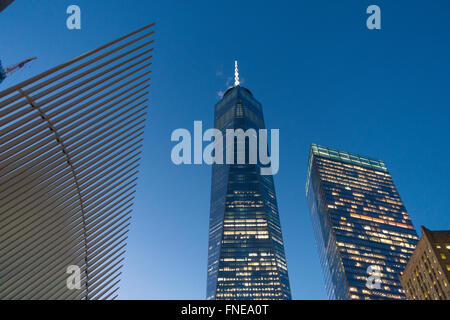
{"x":246,"y":257}
{"x":363,"y":232}
{"x":427,"y":274}
{"x":70,"y":141}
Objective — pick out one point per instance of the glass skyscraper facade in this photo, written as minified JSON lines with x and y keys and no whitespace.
{"x":363,"y":232}
{"x":246,"y":258}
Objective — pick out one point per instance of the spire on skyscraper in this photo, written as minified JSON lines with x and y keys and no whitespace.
{"x":236,"y":74}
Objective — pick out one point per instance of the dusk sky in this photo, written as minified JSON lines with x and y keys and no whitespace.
{"x":321,"y":77}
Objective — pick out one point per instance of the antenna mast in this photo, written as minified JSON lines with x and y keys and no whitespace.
{"x":236,"y":74}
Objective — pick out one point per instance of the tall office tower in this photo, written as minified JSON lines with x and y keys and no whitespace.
{"x":363,"y":232}
{"x":246,"y":257}
{"x":427,"y":274}
{"x":70,"y":142}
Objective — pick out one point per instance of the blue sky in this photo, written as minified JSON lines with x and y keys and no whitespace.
{"x":321,"y":76}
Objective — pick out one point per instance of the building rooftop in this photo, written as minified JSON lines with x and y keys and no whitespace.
{"x":230,"y":89}
{"x":348,"y":157}
{"x":436,"y":236}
